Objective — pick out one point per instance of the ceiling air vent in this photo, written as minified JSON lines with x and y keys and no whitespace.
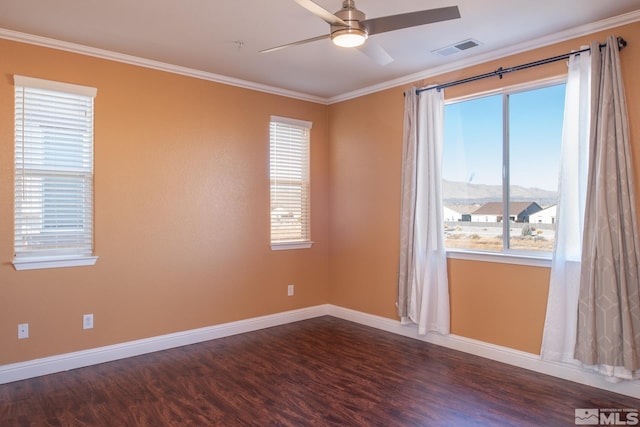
{"x":457,"y":47}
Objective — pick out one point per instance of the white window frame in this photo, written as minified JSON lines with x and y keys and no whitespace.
{"x":302,"y":165}
{"x":39,"y":106}
{"x":509,"y":256}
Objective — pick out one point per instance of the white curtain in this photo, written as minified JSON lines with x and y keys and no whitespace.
{"x":559,"y":335}
{"x":608,"y":335}
{"x":423,"y":289}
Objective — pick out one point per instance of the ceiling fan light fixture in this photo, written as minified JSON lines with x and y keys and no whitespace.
{"x":349,"y":37}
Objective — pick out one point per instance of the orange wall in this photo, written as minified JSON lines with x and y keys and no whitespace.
{"x":181,"y":210}
{"x":496,"y":303}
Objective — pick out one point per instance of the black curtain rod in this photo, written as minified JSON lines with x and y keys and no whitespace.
{"x":501,"y":71}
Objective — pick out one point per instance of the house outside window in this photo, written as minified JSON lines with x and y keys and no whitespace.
{"x":53,"y":185}
{"x":290,"y":191}
{"x":500,"y":170}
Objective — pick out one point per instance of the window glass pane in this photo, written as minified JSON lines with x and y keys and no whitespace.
{"x":535,"y":135}
{"x":475,"y":214}
{"x":472,"y":174}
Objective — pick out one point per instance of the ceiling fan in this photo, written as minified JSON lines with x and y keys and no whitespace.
{"x":350,"y":28}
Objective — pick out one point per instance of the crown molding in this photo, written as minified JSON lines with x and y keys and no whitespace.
{"x":156,"y":65}
{"x":565,"y":35}
{"x":559,"y":37}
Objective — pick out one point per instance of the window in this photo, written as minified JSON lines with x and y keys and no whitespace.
{"x":518,"y":132}
{"x":53,"y":195}
{"x":289,"y":175}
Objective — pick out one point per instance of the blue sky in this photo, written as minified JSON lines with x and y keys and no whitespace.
{"x":473,"y":139}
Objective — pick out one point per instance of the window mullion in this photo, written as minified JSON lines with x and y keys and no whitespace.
{"x":505,"y":174}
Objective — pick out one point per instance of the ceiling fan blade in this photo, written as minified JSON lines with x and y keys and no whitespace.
{"x":321,"y":12}
{"x":411,"y":19}
{"x":313,"y":39}
{"x":376,"y":52}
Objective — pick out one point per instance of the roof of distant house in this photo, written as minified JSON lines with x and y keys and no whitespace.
{"x":548,"y":209}
{"x":495,"y":208}
{"x":462,"y":209}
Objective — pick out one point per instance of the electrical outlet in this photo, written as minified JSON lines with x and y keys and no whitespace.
{"x":87,"y":321}
{"x":290,"y":290}
{"x":23,"y":331}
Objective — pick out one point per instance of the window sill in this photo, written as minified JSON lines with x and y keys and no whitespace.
{"x":284,"y":246}
{"x":36,"y":263}
{"x":529,"y":259}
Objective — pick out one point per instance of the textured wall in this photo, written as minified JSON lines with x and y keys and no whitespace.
{"x":497,"y":303}
{"x":181,"y":210}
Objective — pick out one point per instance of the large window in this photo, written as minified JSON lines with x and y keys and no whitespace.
{"x":289,"y":176}
{"x":500,"y":170}
{"x":53,"y":197}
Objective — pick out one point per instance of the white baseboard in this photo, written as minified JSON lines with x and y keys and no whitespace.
{"x":79,"y":359}
{"x":529,"y":361}
{"x":94,"y":356}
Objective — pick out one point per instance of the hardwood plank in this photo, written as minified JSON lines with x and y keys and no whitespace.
{"x":319,"y":372}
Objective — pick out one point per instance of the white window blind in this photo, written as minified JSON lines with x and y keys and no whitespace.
{"x":289,"y":174}
{"x":53,"y":203}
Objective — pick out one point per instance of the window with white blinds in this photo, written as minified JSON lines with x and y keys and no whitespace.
{"x":290,"y":190}
{"x":53,"y":203}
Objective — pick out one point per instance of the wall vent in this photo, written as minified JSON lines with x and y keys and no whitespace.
{"x":457,"y":47}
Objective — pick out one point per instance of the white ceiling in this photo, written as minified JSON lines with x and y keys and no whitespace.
{"x":221,"y":39}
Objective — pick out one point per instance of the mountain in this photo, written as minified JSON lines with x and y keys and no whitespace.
{"x":455,"y":193}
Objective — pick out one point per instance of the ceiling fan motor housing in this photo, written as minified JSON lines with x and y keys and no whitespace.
{"x":352,"y":16}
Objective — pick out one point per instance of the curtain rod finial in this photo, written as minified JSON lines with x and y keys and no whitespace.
{"x":622,"y":43}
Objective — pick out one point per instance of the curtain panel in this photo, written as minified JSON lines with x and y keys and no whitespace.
{"x":593,"y":310}
{"x":608,"y":336}
{"x":423,"y":289}
{"x":559,"y":334}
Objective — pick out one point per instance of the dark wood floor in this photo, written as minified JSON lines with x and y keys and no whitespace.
{"x":319,"y":372}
